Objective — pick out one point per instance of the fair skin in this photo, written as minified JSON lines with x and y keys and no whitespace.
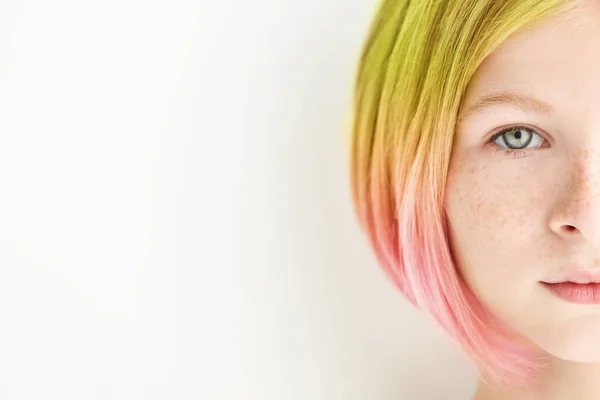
{"x":518,"y":219}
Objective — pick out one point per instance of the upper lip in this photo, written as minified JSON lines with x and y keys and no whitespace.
{"x":580,"y":277}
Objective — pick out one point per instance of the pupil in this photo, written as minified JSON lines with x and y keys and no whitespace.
{"x":518,"y":135}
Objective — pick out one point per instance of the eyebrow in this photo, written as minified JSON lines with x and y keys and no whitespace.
{"x":523,"y":102}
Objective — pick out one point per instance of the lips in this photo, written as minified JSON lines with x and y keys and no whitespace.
{"x":579,"y":293}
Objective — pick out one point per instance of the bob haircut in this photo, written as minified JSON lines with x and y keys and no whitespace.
{"x":413,"y":72}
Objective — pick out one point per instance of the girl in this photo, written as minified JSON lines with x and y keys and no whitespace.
{"x":476,"y":177}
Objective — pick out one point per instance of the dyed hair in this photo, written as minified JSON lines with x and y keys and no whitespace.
{"x":414,"y":69}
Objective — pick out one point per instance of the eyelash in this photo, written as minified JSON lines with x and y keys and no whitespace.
{"x":521,"y":152}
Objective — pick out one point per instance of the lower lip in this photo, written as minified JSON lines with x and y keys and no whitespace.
{"x":588,"y":293}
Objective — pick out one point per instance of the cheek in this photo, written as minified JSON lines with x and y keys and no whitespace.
{"x":492,"y":219}
{"x":506,"y":203}
{"x":485,"y":206}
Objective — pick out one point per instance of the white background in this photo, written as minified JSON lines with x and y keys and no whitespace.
{"x":175,"y":212}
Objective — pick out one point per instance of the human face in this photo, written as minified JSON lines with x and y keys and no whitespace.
{"x":534,"y":215}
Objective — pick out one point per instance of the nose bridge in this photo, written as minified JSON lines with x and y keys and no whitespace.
{"x":586,"y":175}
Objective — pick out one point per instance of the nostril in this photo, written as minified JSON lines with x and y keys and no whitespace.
{"x":569,"y":228}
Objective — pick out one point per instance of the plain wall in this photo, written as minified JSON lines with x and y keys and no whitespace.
{"x":175,"y":212}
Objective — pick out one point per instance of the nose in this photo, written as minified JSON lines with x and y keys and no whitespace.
{"x":578,"y":217}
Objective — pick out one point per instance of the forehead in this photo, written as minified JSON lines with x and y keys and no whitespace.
{"x":557,"y":61}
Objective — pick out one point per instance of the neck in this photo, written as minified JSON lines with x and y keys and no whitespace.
{"x":564,"y":380}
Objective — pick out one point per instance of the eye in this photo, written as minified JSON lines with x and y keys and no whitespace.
{"x":517,"y":139}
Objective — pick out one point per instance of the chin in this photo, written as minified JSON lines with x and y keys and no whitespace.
{"x":577,"y":340}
